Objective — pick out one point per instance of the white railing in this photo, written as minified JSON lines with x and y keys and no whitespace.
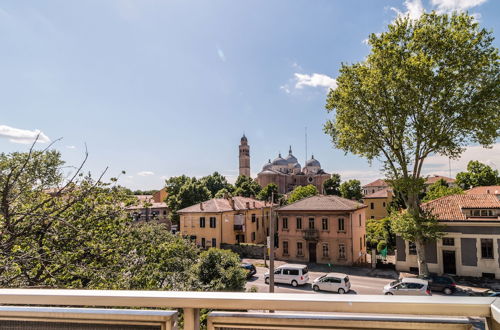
{"x":192,"y":302}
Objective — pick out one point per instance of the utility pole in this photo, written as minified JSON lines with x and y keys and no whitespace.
{"x":271,"y":247}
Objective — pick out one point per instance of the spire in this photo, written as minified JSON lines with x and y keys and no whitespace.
{"x":312,"y":156}
{"x":290,"y":150}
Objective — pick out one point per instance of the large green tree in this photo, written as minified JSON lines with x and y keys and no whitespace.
{"x":478,"y":174}
{"x":439,"y":189}
{"x":331,"y":185}
{"x":246,"y":187}
{"x":216,"y":182}
{"x":351,"y":189}
{"x":428,"y":86}
{"x":267,"y":192}
{"x":182,"y":192}
{"x":301,"y":192}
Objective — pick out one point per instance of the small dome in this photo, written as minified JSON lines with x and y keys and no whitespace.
{"x":280,"y":161}
{"x":291,"y":158}
{"x":267,"y":166}
{"x":313,"y":163}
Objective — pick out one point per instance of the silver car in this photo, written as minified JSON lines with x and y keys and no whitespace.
{"x":335,"y":282}
{"x":408,"y":286}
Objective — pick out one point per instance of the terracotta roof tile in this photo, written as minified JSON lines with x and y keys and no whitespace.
{"x":377,"y":183}
{"x":450,"y":207}
{"x":216,"y":205}
{"x":494,"y":190}
{"x":384,"y":193}
{"x":323,"y":203}
{"x":434,"y":178}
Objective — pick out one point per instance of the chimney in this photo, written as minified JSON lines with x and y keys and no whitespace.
{"x":201,"y":206}
{"x":248,"y":205}
{"x":231,"y":202}
{"x":254,"y":204}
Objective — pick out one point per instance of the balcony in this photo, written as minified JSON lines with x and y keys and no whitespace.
{"x":310,"y":311}
{"x":311,"y":234}
{"x":239,"y":227}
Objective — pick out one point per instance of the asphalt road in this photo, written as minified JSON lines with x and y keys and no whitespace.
{"x":359,"y":284}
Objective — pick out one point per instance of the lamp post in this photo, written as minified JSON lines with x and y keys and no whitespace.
{"x":271,"y":247}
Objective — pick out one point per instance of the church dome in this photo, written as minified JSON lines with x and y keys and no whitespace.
{"x":297,"y":165}
{"x":291,"y":158}
{"x":313,"y":163}
{"x":267,"y":166}
{"x":280,"y":161}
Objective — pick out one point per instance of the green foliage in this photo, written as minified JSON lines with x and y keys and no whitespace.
{"x":246,"y":187}
{"x":380,"y":231}
{"x":144,"y":192}
{"x":301,"y":192}
{"x":381,"y":245}
{"x":182,"y":192}
{"x":425,"y":229}
{"x":331,"y":185}
{"x":428,"y":86}
{"x":219,"y":270}
{"x":215,"y":183}
{"x":351,"y":189}
{"x":440,"y":189}
{"x":223,"y":193}
{"x":266,"y":193}
{"x":478,"y":174}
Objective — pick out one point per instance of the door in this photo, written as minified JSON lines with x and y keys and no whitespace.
{"x":312,"y":252}
{"x":449,"y":262}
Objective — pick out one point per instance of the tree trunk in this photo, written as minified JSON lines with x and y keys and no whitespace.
{"x":414,"y":210}
{"x":422,"y":263}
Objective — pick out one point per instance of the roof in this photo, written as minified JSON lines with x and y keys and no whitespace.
{"x":414,"y":280}
{"x":435,"y":178}
{"x":377,"y":183}
{"x":495,"y":190}
{"x":216,"y":205}
{"x":450,"y":207}
{"x":384,"y":193}
{"x":292,"y":266}
{"x":153,"y":205}
{"x":323,"y":203}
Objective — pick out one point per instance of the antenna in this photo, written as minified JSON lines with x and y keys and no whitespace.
{"x":449,"y":166}
{"x":306,"y":144}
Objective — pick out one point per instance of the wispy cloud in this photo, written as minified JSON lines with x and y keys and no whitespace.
{"x":314,"y":80}
{"x":70,"y":147}
{"x":456,"y":5}
{"x":22,"y":136}
{"x":414,"y":8}
{"x":145,"y":173}
{"x":221,"y":54}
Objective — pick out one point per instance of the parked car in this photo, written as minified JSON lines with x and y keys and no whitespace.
{"x":486,"y":293}
{"x":408,"y":286}
{"x":335,"y":282}
{"x":251,"y":271}
{"x":444,"y":284}
{"x":290,"y":274}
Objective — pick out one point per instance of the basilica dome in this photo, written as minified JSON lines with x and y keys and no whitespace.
{"x":280,"y":161}
{"x":267,"y":166}
{"x":313,"y":163}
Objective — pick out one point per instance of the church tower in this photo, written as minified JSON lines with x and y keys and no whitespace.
{"x":244,"y":157}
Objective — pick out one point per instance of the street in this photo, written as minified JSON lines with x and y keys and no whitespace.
{"x":359,"y":284}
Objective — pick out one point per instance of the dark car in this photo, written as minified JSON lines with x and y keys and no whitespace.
{"x":487,"y":293}
{"x":444,"y":284}
{"x":251,"y":271}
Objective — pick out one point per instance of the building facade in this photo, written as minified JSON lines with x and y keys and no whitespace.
{"x":150,"y":208}
{"x":323,"y":229}
{"x":244,"y":156}
{"x":377,"y":203}
{"x":374,"y":186}
{"x":226,"y":220}
{"x":287,"y":173}
{"x":471,"y":242}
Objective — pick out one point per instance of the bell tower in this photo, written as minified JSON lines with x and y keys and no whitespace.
{"x":244,"y":157}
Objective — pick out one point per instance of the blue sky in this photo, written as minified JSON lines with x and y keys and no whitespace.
{"x":163,"y":88}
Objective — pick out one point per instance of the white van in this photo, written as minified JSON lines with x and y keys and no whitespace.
{"x":290,"y":274}
{"x":335,"y":282}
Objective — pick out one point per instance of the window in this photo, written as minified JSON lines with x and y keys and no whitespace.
{"x":449,"y":241}
{"x":202,"y":222}
{"x":253,"y":236}
{"x":383,"y":204}
{"x":311,"y":223}
{"x":486,"y":248}
{"x":482,"y":213}
{"x":299,"y":223}
{"x":203,"y":242}
{"x":285,"y":248}
{"x":299,"y":249}
{"x":341,"y":224}
{"x":360,"y":243}
{"x":325,"y":250}
{"x":285,"y":223}
{"x":341,"y":251}
{"x":372,"y":206}
{"x":372,"y":217}
{"x":257,"y":225}
{"x":214,"y":242}
{"x":324,"y":223}
{"x":253,"y":217}
{"x":412,"y":248}
{"x":213,"y":222}
{"x":360,"y":220}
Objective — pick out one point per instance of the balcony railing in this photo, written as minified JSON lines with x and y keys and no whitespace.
{"x":311,"y":234}
{"x":375,"y":308}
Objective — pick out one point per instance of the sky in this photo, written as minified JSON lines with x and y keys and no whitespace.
{"x":165,"y":88}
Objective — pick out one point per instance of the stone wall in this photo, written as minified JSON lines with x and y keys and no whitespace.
{"x":254,"y":251}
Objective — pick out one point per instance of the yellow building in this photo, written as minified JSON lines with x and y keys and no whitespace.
{"x":323,"y":229}
{"x":377,"y":203}
{"x":226,"y":220}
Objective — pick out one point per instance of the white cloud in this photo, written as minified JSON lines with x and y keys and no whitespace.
{"x":364,"y":176}
{"x":441,"y":165}
{"x":456,"y":5}
{"x":71,"y":147}
{"x":314,"y":80}
{"x":145,"y":173}
{"x":23,"y":136}
{"x":414,"y":8}
{"x":221,"y":55}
